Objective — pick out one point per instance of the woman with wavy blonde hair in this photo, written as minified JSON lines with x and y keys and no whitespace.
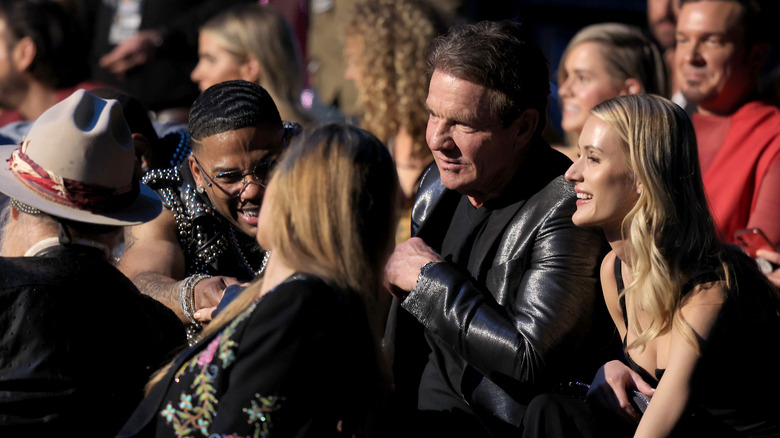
{"x":293,"y":354}
{"x":699,"y":322}
{"x":255,"y":43}
{"x":386,"y":44}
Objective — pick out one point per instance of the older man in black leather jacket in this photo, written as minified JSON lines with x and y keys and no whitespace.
{"x":505,"y":286}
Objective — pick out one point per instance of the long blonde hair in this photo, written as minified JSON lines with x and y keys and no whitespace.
{"x":262,"y":33}
{"x":670,"y":230}
{"x":334,"y":207}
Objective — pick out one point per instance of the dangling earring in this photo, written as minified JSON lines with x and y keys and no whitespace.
{"x":200,"y":189}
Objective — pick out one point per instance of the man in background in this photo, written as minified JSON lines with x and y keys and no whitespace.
{"x":722,"y":46}
{"x":42,"y":58}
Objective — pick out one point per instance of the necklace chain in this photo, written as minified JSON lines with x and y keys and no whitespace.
{"x":242,"y":256}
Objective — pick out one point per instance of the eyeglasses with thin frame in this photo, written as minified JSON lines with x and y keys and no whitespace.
{"x":231,"y":184}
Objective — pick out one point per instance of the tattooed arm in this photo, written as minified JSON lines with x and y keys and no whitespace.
{"x":153,"y":247}
{"x":208,"y":292}
{"x":154,"y":260}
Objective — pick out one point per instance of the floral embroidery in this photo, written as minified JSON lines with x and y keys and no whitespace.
{"x":203,"y":426}
{"x":197,"y":405}
{"x":186,"y":402}
{"x":227,"y":357}
{"x":208,"y":353}
{"x":260,"y":414}
{"x":168,"y":413}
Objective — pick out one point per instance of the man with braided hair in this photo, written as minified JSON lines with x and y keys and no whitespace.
{"x":204,"y":240}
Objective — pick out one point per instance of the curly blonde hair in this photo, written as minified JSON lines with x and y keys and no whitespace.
{"x":393,"y":36}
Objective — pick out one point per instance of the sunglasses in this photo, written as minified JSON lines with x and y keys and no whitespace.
{"x":231,"y":184}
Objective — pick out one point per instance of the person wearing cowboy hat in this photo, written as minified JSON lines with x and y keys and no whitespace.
{"x":204,"y":240}
{"x":78,"y":341}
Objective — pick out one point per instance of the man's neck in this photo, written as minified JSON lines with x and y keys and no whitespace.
{"x":50,"y":242}
{"x":479,"y":199}
{"x":727,"y":108}
{"x":39,"y":98}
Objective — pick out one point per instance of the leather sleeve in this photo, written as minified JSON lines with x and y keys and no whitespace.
{"x":548,"y":272}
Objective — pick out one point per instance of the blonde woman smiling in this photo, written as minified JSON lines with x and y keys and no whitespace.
{"x":699,"y":321}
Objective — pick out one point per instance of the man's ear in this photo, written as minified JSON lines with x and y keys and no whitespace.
{"x":24,"y":53}
{"x":195,"y":170}
{"x":525,"y":125}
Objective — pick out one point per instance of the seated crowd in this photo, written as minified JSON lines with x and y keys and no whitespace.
{"x":241,"y":270}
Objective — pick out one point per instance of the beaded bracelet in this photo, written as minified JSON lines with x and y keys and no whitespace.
{"x":187,"y":295}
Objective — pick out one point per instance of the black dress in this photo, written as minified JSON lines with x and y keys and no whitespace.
{"x":294,"y":363}
{"x":731,"y":386}
{"x":739,"y":359}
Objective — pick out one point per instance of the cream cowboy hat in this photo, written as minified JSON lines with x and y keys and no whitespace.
{"x":77,"y":163}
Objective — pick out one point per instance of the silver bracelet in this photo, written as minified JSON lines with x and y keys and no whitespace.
{"x":187,"y":295}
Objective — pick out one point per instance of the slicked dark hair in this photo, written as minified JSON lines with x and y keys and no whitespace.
{"x":229,"y":106}
{"x":500,"y":57}
{"x":60,"y":55}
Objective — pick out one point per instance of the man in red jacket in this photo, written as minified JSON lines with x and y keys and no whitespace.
{"x":721,"y":48}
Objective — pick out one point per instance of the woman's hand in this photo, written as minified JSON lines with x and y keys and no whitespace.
{"x":611,"y":386}
{"x":773,"y":257}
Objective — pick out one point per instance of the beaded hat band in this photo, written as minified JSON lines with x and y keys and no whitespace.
{"x":24,"y":208}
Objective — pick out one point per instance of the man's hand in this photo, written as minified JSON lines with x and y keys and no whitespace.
{"x":404,"y":266}
{"x":132,"y":52}
{"x":773,"y":257}
{"x":609,"y":389}
{"x":206,"y":314}
{"x":208,"y":293}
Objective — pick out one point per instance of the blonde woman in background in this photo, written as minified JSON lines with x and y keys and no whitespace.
{"x":600,"y":62}
{"x":385,"y":51}
{"x":254,"y":43}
